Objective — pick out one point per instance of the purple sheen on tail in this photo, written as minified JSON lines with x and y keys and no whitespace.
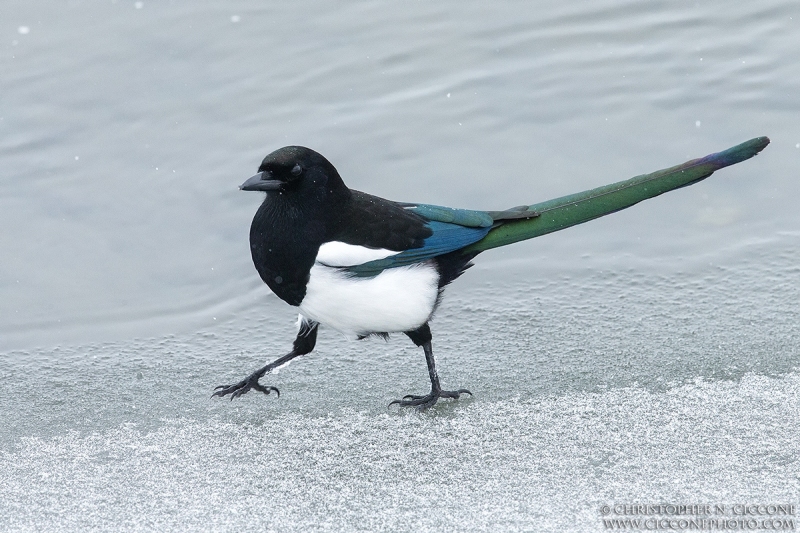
{"x":734,"y":155}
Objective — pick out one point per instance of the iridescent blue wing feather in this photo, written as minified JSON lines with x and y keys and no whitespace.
{"x":446,"y":238}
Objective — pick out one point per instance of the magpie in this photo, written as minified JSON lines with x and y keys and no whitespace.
{"x":366,"y":266}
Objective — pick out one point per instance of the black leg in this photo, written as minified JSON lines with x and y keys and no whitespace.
{"x":422,"y":337}
{"x":303,"y":344}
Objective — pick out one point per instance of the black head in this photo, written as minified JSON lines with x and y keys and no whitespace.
{"x":295,"y":170}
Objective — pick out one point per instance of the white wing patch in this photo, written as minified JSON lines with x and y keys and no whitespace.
{"x":340,"y":254}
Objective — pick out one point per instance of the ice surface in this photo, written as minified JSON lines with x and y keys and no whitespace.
{"x":544,"y":464}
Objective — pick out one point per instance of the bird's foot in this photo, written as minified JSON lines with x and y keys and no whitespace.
{"x":244,"y":386}
{"x":424,"y":402}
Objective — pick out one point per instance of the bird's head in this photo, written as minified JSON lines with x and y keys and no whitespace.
{"x":295,"y":170}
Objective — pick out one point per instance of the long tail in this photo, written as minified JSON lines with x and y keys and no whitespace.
{"x":567,"y":211}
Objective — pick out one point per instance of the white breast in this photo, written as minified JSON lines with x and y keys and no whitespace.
{"x":397,"y":299}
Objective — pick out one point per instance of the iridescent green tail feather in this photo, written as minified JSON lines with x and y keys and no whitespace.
{"x":567,"y":211}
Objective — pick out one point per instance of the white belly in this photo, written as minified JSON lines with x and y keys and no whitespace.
{"x":398,"y":299}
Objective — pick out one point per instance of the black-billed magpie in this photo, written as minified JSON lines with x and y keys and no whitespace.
{"x":366,"y":266}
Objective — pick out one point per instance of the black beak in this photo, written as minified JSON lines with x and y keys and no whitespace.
{"x":261,"y":182}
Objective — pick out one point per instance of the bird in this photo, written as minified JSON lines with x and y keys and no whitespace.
{"x":370,"y":267}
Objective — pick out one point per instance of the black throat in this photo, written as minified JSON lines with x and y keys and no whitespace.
{"x":288,"y":230}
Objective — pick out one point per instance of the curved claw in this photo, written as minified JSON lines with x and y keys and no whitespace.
{"x":266,"y":390}
{"x":243,"y":387}
{"x":222,"y":390}
{"x":429,"y":400}
{"x":455,"y":394}
{"x":420,"y":402}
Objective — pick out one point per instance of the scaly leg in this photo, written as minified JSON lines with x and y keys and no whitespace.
{"x":422,"y":337}
{"x":303,"y":344}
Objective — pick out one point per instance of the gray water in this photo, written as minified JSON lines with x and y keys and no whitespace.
{"x":647,"y":357}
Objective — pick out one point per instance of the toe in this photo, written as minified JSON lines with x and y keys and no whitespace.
{"x":222,"y":390}
{"x":266,"y":390}
{"x":412,"y":397}
{"x":420,"y":402}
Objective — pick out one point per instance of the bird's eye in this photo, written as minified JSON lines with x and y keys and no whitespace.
{"x":297,"y":170}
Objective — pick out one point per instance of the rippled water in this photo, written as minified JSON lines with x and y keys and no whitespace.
{"x":647,"y":356}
